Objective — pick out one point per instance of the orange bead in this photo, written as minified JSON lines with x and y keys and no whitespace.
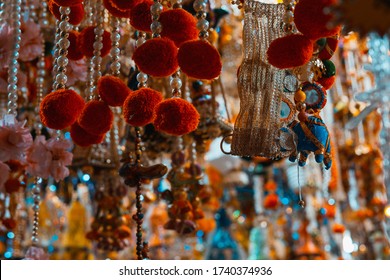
{"x":300,"y":96}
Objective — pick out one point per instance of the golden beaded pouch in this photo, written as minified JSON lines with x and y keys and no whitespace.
{"x":266,"y":105}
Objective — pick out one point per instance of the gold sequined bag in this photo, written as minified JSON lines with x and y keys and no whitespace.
{"x":265,"y":106}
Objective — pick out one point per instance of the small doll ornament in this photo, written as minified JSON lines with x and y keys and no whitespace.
{"x":313,"y":135}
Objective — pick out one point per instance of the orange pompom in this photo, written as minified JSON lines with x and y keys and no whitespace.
{"x":338,"y":228}
{"x":61,"y":108}
{"x":199,"y":60}
{"x":271,"y":201}
{"x":125,"y":4}
{"x":310,"y":19}
{"x":178,"y":25}
{"x":74,"y":52}
{"x":112,"y":90}
{"x":327,"y":83}
{"x":67,"y":3}
{"x":330,"y":211}
{"x":115,"y":11}
{"x":96,"y":117}
{"x":290,"y":51}
{"x":140,"y":17}
{"x":330,"y":48}
{"x":139,"y":106}
{"x":157,"y":57}
{"x":76,"y":12}
{"x":87,"y":38}
{"x":82,"y":138}
{"x":176,"y":116}
{"x":270,"y":185}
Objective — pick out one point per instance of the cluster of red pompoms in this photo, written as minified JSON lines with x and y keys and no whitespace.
{"x":82,"y":138}
{"x":140,"y":17}
{"x":139,"y":107}
{"x":74,"y":52}
{"x":68,"y":3}
{"x":87,"y":38}
{"x":178,"y":25}
{"x":290,"y":51}
{"x":199,"y":60}
{"x":112,"y":90}
{"x":157,"y":57}
{"x":310,"y":19}
{"x":61,"y":108}
{"x":76,"y":11}
{"x":176,"y":116}
{"x":96,"y":117}
{"x":108,"y":4}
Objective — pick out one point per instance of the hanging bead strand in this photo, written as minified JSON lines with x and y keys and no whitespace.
{"x":115,"y":50}
{"x":63,"y":45}
{"x":14,"y":65}
{"x":98,"y":44}
{"x":202,"y":24}
{"x":142,"y":78}
{"x":36,"y":191}
{"x":288,"y":17}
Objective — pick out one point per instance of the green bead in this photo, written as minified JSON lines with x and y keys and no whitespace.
{"x":330,"y":68}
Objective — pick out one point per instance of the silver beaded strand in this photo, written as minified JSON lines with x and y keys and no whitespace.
{"x":63,"y":45}
{"x":202,"y":24}
{"x":12,"y":88}
{"x":115,"y":50}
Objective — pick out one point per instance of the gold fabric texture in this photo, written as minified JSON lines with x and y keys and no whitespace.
{"x":260,"y":86}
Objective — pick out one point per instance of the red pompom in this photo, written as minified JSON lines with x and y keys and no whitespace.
{"x":113,"y":90}
{"x":76,"y":12}
{"x":82,"y":138}
{"x":61,"y":108}
{"x":178,"y":25}
{"x":140,"y":17}
{"x":139,"y":107}
{"x":12,"y":185}
{"x":290,"y":51}
{"x":74,"y":52}
{"x":327,"y":83}
{"x":199,"y":60}
{"x":125,"y":4}
{"x":87,"y":38}
{"x":330,"y":48}
{"x":157,"y":57}
{"x":176,"y":116}
{"x":310,"y":19}
{"x":96,"y":117}
{"x":67,"y":3}
{"x":115,"y":11}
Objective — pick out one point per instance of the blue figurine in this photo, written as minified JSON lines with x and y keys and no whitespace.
{"x":313,"y":137}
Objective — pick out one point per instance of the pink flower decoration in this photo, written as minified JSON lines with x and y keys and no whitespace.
{"x":4,"y":175}
{"x":31,"y":41}
{"x":38,"y":158}
{"x":76,"y":71}
{"x":15,"y":139}
{"x":60,"y":158}
{"x":5,"y":45}
{"x":49,"y":158}
{"x":36,"y":253}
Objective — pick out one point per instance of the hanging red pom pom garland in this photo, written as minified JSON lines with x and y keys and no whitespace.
{"x":62,"y":107}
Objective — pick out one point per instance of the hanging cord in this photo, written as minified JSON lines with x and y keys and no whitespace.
{"x":301,"y":202}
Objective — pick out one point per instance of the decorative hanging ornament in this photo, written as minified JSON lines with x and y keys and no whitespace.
{"x":62,"y":107}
